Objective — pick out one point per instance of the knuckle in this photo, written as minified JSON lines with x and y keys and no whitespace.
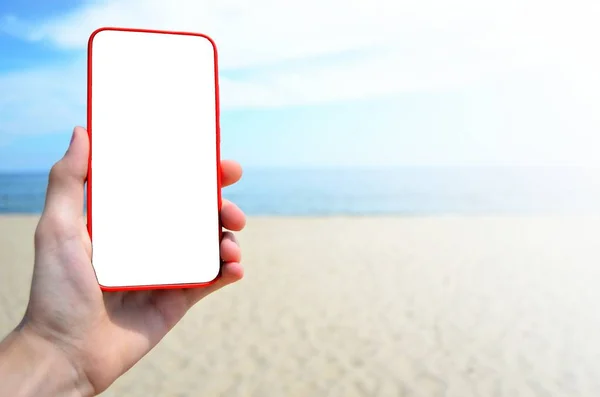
{"x":56,"y":172}
{"x":53,"y":227}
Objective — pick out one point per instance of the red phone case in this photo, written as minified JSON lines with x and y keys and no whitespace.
{"x":89,"y":129}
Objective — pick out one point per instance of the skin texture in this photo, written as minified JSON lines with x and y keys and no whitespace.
{"x":77,"y":339}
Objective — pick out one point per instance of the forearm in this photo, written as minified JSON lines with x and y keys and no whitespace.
{"x":30,"y":366}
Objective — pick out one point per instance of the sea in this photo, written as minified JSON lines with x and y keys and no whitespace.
{"x":404,"y":191}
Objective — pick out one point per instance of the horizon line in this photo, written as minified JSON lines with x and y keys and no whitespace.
{"x":24,"y":171}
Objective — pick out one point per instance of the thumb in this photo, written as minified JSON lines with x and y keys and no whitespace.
{"x":64,"y":197}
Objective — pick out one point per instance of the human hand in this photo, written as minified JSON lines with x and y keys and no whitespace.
{"x":101,"y":335}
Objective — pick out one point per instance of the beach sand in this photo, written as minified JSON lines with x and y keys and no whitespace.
{"x":377,"y":306}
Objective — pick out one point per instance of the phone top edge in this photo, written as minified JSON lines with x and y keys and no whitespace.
{"x":143,"y":30}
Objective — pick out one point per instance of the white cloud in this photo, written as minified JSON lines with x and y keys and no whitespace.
{"x":408,"y":46}
{"x":253,"y":32}
{"x":265,"y":31}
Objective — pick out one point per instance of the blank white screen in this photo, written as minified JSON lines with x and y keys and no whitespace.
{"x":154,"y":159}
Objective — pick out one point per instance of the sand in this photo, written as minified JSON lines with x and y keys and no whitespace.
{"x":424,"y":306}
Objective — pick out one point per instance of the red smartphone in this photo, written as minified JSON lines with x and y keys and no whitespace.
{"x":154,"y":188}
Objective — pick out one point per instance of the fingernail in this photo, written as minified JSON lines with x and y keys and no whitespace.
{"x":70,"y":143}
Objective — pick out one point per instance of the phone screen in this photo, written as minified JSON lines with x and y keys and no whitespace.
{"x":153,"y":185}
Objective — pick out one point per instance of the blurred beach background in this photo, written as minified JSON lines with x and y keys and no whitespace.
{"x":404,"y":282}
{"x":422,"y":182}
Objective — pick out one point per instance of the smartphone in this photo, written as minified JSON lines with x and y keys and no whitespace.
{"x":153,"y":188}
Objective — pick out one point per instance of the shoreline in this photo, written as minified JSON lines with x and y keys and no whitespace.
{"x":408,"y":215}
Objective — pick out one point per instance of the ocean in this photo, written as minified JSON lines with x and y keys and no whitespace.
{"x":377,"y":191}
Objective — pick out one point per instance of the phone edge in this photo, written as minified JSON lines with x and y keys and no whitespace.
{"x":218,"y":156}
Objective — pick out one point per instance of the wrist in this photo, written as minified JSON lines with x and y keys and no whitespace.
{"x":32,"y":366}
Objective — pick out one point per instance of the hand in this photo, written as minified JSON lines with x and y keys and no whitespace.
{"x":101,"y":335}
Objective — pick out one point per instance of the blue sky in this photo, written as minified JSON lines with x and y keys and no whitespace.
{"x":373,"y":83}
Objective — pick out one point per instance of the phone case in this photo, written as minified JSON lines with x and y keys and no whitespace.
{"x":90,"y":129}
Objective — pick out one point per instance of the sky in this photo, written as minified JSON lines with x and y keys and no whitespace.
{"x":334,"y":83}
